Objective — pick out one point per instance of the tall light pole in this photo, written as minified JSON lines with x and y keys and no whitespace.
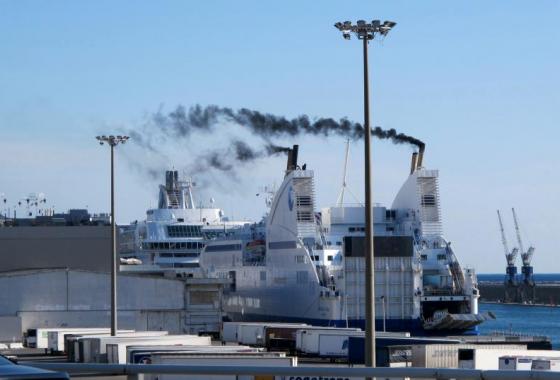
{"x":366,"y":32}
{"x":113,"y":141}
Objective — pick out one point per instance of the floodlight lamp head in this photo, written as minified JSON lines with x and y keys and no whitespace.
{"x":376,"y":23}
{"x":361,"y":23}
{"x":389,"y":24}
{"x":346,"y":35}
{"x":338,"y":25}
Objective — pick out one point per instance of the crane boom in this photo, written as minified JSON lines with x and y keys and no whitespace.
{"x":504,"y":241}
{"x":518,"y":233}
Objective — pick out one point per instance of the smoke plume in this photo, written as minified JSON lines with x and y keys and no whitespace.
{"x":181,"y":123}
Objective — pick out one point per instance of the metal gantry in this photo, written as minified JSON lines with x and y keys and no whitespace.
{"x":113,"y":141}
{"x":367,"y":31}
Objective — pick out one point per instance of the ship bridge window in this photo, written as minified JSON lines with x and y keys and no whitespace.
{"x":223,"y":248}
{"x":424,"y":257}
{"x":184,"y":231}
{"x":390,"y":214}
{"x":441,"y":257}
{"x":428,"y":200}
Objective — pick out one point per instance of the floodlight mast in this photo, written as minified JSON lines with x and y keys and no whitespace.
{"x":113,"y":141}
{"x":367,"y":31}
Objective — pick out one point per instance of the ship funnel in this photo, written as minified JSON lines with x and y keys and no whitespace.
{"x":292,"y":158}
{"x":171,"y":179}
{"x":420,"y":156}
{"x":413,"y":163}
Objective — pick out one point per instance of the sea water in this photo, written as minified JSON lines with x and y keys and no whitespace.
{"x":523,"y":319}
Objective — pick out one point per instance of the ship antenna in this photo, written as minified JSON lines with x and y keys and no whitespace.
{"x":340,"y":199}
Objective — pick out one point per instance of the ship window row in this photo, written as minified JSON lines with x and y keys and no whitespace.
{"x":428,"y":200}
{"x":303,"y":200}
{"x":184,"y":231}
{"x":223,"y":248}
{"x":336,"y":243}
{"x":178,"y":265}
{"x":176,"y":245}
{"x":305,"y":216}
{"x":191,"y":254}
{"x":356,"y":229}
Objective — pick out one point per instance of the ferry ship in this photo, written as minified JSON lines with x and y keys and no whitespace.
{"x":174,"y":233}
{"x":300,"y":265}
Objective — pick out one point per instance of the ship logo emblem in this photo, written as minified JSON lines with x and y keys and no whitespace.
{"x":291,"y":198}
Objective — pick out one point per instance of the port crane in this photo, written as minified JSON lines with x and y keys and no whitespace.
{"x":526,"y":256}
{"x":511,"y":256}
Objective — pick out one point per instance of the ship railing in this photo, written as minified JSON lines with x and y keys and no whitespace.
{"x":517,"y":334}
{"x":442,"y":292}
{"x":136,"y":371}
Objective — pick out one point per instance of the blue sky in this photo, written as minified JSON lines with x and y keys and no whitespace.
{"x":477,"y":80}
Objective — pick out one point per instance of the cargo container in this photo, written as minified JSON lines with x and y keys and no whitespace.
{"x":230,"y":330}
{"x":325,"y":342}
{"x":529,"y":362}
{"x":486,"y":358}
{"x":56,"y":338}
{"x":516,"y":363}
{"x":447,"y":355}
{"x":117,"y":352}
{"x":254,"y":334}
{"x":74,"y":351}
{"x":94,"y":349}
{"x":263,"y":359}
{"x":39,"y":337}
{"x":143,"y":354}
{"x":548,"y":364}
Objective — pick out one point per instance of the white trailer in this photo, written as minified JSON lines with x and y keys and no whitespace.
{"x":74,"y":347}
{"x":515,"y":363}
{"x":230,"y":332}
{"x":56,"y":341}
{"x":39,"y":337}
{"x":529,"y":362}
{"x":546,"y":364}
{"x":117,"y":352}
{"x":143,"y":354}
{"x":485,"y":358}
{"x":328,"y":342}
{"x":94,"y":349}
{"x":254,"y":333}
{"x":447,"y":355}
{"x":265,"y":359}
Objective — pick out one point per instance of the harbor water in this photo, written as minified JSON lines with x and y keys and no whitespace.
{"x":523,"y":319}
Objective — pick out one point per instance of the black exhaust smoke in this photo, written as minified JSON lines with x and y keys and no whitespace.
{"x":181,"y":123}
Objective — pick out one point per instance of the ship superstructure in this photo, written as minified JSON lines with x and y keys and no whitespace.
{"x":173,"y":234}
{"x":302,"y":265}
